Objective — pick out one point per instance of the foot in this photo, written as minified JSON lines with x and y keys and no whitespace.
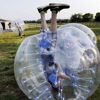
{"x":23,"y":35}
{"x":43,"y":9}
{"x":57,"y":6}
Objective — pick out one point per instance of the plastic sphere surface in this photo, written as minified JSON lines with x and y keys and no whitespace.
{"x":17,"y":26}
{"x":1,"y":28}
{"x":75,"y":51}
{"x":84,"y":28}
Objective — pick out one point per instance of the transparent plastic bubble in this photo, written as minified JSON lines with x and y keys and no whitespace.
{"x":1,"y":28}
{"x":17,"y":26}
{"x":85,"y":29}
{"x":75,"y":52}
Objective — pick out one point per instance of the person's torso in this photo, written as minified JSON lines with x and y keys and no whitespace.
{"x":51,"y":70}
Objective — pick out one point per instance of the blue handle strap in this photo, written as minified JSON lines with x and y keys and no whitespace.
{"x":66,"y":71}
{"x":53,"y":79}
{"x":44,"y":43}
{"x":73,"y":77}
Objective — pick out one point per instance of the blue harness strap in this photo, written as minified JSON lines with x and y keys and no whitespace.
{"x":53,"y":79}
{"x":44,"y":43}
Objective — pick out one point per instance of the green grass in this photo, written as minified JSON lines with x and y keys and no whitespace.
{"x":97,"y":31}
{"x":9,"y":43}
{"x":9,"y":96}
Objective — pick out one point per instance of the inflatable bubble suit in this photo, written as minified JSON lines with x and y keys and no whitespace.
{"x":17,"y":26}
{"x":76,"y":51}
{"x":1,"y":28}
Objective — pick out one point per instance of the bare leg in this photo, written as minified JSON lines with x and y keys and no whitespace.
{"x":21,"y":35}
{"x":61,"y":73}
{"x":64,"y":76}
{"x":42,"y":10}
{"x":53,"y":26}
{"x":43,"y":21}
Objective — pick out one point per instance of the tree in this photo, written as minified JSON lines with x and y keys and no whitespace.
{"x":76,"y":18}
{"x":58,"y":20}
{"x":87,"y":17}
{"x":97,"y":17}
{"x":62,"y":21}
{"x":39,"y":21}
{"x":48,"y":21}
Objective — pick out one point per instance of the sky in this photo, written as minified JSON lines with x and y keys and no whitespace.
{"x":27,"y":9}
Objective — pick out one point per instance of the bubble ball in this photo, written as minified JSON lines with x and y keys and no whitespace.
{"x":76,"y":51}
{"x":17,"y":26}
{"x":1,"y":28}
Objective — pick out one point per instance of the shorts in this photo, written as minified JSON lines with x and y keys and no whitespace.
{"x":46,"y":59}
{"x":51,"y":36}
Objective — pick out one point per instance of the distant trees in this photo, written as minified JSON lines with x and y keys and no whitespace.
{"x":63,"y":20}
{"x":88,"y":17}
{"x":97,"y":17}
{"x":30,"y":21}
{"x":39,"y":20}
{"x":82,"y":18}
{"x":76,"y":18}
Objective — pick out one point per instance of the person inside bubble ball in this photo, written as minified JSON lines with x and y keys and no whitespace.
{"x":49,"y":38}
{"x":48,"y":41}
{"x":19,"y":30}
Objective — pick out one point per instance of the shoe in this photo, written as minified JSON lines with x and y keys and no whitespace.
{"x":43,"y":8}
{"x":57,"y":6}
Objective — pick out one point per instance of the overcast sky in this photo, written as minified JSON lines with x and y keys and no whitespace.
{"x":27,"y":9}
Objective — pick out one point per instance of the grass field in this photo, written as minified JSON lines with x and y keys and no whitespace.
{"x":9,"y":43}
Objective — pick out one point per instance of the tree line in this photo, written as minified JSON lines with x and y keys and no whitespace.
{"x":88,"y":17}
